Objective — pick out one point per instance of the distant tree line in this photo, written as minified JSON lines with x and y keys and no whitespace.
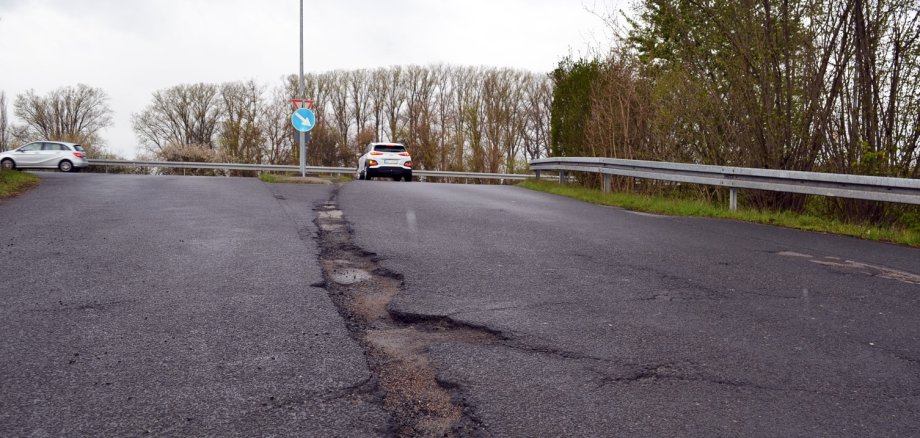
{"x":809,"y":85}
{"x":451,"y":118}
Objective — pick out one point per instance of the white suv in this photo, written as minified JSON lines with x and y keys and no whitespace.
{"x":385,"y":159}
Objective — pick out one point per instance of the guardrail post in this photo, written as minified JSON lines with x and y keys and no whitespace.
{"x":561,"y":177}
{"x":733,"y":199}
{"x":607,"y":180}
{"x":536,"y":173}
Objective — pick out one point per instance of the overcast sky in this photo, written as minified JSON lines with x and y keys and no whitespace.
{"x":133,"y":48}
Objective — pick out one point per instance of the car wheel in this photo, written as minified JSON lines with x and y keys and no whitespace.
{"x":407,"y":178}
{"x":65,"y":166}
{"x":8,"y":164}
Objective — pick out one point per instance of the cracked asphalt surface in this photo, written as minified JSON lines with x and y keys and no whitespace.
{"x":194,"y":306}
{"x":633,"y":324}
{"x":172,"y":306}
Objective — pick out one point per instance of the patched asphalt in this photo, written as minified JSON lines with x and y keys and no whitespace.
{"x":618,"y":323}
{"x":173,"y":306}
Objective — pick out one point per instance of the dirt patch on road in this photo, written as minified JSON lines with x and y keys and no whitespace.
{"x":396,"y":344}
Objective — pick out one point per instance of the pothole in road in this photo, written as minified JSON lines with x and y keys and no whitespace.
{"x":396,"y":345}
{"x":348,"y":276}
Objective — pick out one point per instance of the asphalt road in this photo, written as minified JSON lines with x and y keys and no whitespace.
{"x":619,"y":323}
{"x":172,"y":306}
{"x":184,"y":306}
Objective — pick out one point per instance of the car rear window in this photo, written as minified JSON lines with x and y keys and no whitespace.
{"x":389,"y":148}
{"x":78,"y":148}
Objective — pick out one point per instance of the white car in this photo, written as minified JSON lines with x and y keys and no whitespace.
{"x":66,"y":157}
{"x":387,"y":160}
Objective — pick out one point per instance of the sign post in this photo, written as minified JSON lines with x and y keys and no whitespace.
{"x":303,"y":120}
{"x":303,"y":147}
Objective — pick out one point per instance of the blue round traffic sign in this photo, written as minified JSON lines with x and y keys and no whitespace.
{"x":303,"y":120}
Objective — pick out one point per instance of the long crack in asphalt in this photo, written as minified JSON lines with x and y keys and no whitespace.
{"x":396,"y":344}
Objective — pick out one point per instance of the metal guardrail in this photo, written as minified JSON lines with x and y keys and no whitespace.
{"x":472,"y":175}
{"x":220,"y":166}
{"x":310,"y":169}
{"x":874,"y":188}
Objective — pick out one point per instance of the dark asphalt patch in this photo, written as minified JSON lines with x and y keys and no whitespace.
{"x":396,"y":344}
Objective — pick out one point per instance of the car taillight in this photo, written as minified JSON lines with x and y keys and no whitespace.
{"x":371,"y":162}
{"x":78,"y":154}
{"x":376,"y":153}
{"x":408,"y":164}
{"x":404,"y":154}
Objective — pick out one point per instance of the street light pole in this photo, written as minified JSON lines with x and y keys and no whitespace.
{"x":303,"y":146}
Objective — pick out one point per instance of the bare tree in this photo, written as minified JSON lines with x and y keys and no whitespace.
{"x":472,"y":115}
{"x":181,"y":115}
{"x":464,"y":85}
{"x":620,"y":113}
{"x":445,"y":114}
{"x":503,"y":121}
{"x":419,"y":84}
{"x":395,"y":99}
{"x":377,"y":93}
{"x":359,"y":82}
{"x":539,"y":100}
{"x":339,"y":99}
{"x":4,"y":123}
{"x":275,"y":124}
{"x":75,"y":114}
{"x":240,"y":128}
{"x":874,"y":129}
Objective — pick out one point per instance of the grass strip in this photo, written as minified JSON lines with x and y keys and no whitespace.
{"x":14,"y":182}
{"x":285,"y":179}
{"x":693,"y":207}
